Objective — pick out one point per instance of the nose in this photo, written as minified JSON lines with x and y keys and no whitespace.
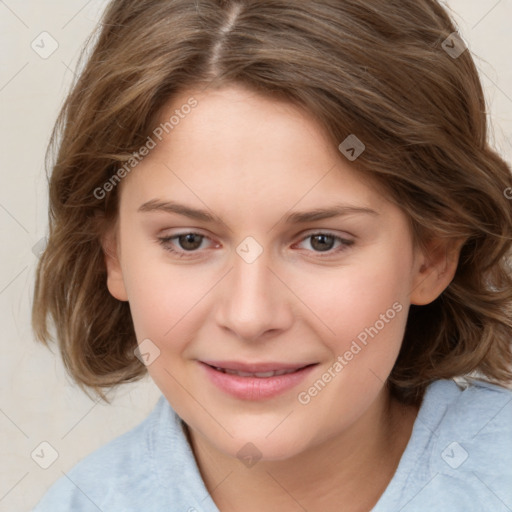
{"x":253,"y":302}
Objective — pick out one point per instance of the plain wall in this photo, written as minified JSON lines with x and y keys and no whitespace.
{"x":38,"y":402}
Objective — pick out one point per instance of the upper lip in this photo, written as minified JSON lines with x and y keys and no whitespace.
{"x":256,"y":367}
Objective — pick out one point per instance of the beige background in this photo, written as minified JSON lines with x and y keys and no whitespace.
{"x":38,"y":402}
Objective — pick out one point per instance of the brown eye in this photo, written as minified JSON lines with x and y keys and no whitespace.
{"x":322,"y":242}
{"x":184,"y":245}
{"x":327,"y":243}
{"x":190,"y":241}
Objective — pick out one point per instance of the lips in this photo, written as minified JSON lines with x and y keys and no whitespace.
{"x":255,"y":381}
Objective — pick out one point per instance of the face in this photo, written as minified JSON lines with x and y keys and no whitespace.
{"x":246,"y":242}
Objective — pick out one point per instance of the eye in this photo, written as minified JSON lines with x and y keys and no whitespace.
{"x":186,"y":242}
{"x":325,"y":242}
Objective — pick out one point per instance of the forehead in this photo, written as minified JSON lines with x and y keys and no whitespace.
{"x":249,"y":151}
{"x":242,"y":119}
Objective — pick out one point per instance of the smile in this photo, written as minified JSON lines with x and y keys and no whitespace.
{"x":255,"y":381}
{"x":260,"y":375}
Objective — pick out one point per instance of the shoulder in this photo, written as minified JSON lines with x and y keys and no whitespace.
{"x":115,"y":474}
{"x":470,"y":448}
{"x":477,"y":413}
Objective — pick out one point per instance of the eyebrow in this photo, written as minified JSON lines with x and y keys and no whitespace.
{"x":336,"y":210}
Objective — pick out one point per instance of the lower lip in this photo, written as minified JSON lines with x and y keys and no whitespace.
{"x":256,"y":388}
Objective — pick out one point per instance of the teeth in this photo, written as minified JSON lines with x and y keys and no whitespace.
{"x":264,"y":374}
{"x":261,"y":375}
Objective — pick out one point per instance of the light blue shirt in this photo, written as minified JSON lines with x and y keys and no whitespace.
{"x":459,"y":458}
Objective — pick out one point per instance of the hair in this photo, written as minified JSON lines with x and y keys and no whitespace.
{"x":375,"y":69}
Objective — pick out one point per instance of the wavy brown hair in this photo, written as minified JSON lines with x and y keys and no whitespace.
{"x":371,"y":68}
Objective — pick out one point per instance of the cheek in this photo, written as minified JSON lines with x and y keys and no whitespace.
{"x":163,"y":297}
{"x":352,"y":298}
{"x":166,"y":308}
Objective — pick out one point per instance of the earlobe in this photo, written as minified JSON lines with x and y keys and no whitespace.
{"x":115,"y":281}
{"x":436,"y":269}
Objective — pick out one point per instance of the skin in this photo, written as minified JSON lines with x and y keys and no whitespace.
{"x":251,"y":160}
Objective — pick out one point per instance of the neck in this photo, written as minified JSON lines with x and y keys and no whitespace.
{"x":351,"y":469}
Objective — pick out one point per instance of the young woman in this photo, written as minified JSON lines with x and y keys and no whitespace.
{"x":289,"y":214}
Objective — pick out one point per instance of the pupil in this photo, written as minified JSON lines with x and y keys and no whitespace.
{"x":324,"y":240}
{"x":187,"y":241}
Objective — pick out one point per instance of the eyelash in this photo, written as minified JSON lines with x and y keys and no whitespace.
{"x":165,"y":242}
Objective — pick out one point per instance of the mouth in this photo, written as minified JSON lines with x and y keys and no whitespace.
{"x":255,"y":381}
{"x":259,"y":370}
{"x":259,"y":375}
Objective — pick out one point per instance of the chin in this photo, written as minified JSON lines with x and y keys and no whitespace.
{"x":253,"y":442}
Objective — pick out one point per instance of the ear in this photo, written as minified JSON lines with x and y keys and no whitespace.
{"x":115,"y":281}
{"x":435,"y":268}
